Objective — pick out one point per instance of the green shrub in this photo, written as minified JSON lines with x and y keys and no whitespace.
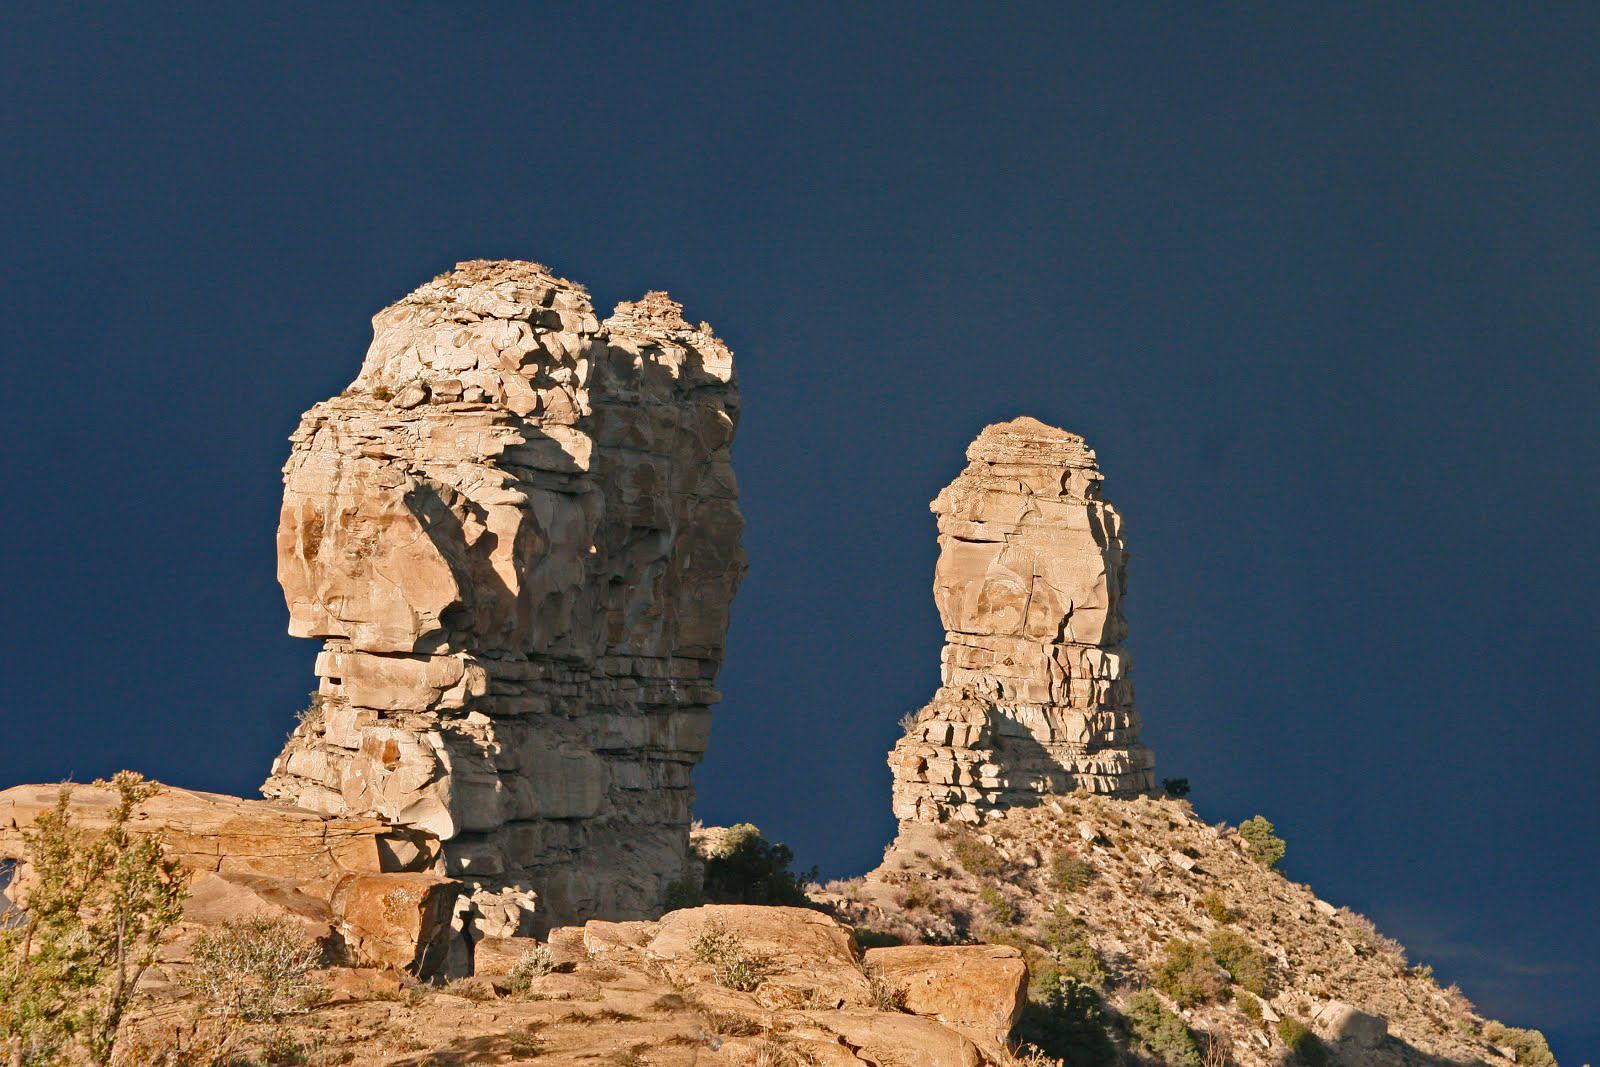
{"x":95,"y":909}
{"x":1530,"y":1047}
{"x":1069,"y":871}
{"x":731,"y":965}
{"x":537,"y":962}
{"x":1160,"y":1032}
{"x":1250,"y":1006}
{"x":1067,"y":938}
{"x":1245,"y":964}
{"x":1265,"y":846}
{"x":1004,"y":912}
{"x":253,"y":968}
{"x":683,"y":894}
{"x":976,"y":856}
{"x":1064,"y":1018}
{"x":1214,"y":905}
{"x":1189,"y":974}
{"x":748,"y":869}
{"x":1306,"y":1046}
{"x":1177,"y":788}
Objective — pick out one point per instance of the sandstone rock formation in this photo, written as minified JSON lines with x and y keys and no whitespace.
{"x":517,"y":534}
{"x":364,"y":885}
{"x":1035,"y":695}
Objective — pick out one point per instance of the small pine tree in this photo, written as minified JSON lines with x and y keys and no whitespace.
{"x":94,"y":910}
{"x":1266,"y":846}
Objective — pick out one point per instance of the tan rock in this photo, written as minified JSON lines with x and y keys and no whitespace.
{"x":232,"y":836}
{"x":1035,"y":696}
{"x":811,"y":958}
{"x":396,"y":920}
{"x":977,"y":989}
{"x":888,"y":1038}
{"x":1344,"y":1023}
{"x":517,"y":534}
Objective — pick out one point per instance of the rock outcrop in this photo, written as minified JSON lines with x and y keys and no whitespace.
{"x":1035,"y":696}
{"x":371,"y":889}
{"x":517,"y":534}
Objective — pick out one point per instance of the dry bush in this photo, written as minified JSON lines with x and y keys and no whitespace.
{"x":255,"y":968}
{"x":535,"y":963}
{"x":886,"y":995}
{"x":732,"y":1024}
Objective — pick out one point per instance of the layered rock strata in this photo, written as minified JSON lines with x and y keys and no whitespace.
{"x":517,"y":534}
{"x":1035,"y":695}
{"x":371,"y":889}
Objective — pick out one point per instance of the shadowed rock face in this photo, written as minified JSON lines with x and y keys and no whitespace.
{"x":517,"y":534}
{"x":1029,"y":584}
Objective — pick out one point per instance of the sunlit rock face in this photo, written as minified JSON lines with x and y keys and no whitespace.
{"x":517,"y":535}
{"x":1035,"y":696}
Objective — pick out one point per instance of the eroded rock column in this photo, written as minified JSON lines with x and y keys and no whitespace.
{"x":517,"y":534}
{"x":1035,"y":695}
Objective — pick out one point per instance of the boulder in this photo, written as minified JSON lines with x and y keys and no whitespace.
{"x":977,"y":989}
{"x":396,"y":920}
{"x":810,"y":958}
{"x":1346,"y":1024}
{"x":889,"y":1038}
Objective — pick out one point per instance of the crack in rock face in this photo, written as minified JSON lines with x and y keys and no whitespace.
{"x":517,"y":534}
{"x":1035,"y":695}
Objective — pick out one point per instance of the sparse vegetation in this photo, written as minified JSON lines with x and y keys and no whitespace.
{"x":1072,"y":953}
{"x":977,"y":857}
{"x":1306,"y":1046}
{"x":1001,"y":909}
{"x":732,"y":1024}
{"x":1189,"y":974}
{"x":1265,"y":845}
{"x":748,"y":869}
{"x":886,"y":994}
{"x":1160,"y":1032}
{"x":535,"y":963}
{"x":1065,"y":1018}
{"x":1245,"y":963}
{"x":96,"y":908}
{"x":1215,"y":905}
{"x":1069,"y":871}
{"x":253,"y":969}
{"x":1529,"y":1046}
{"x":732,"y":965}
{"x":1250,"y":1006}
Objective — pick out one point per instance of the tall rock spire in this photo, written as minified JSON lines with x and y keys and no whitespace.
{"x":517,"y":535}
{"x":1035,"y":696}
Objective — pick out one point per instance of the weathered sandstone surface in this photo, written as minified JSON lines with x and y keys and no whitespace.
{"x":368,"y":887}
{"x":1035,"y":695}
{"x":517,"y":535}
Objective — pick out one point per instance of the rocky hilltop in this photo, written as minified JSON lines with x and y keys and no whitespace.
{"x":517,"y":535}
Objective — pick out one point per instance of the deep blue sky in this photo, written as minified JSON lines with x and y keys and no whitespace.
{"x":1320,"y":286}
